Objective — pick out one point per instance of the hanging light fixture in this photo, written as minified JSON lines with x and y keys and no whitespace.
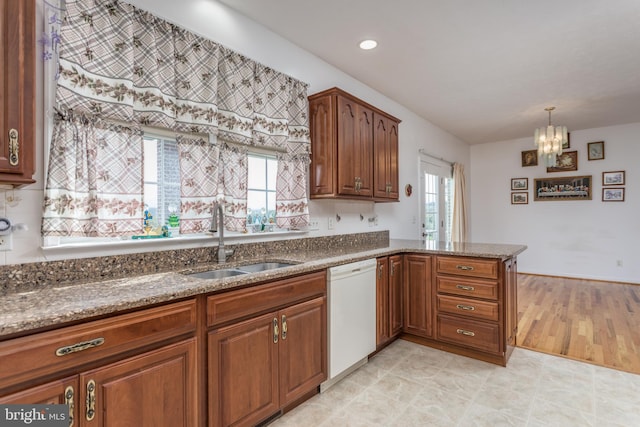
{"x":550,"y":140}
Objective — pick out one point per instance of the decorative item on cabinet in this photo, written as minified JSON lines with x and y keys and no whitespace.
{"x":354,"y":149}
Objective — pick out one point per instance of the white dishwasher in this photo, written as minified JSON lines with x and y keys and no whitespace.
{"x":351,"y":294}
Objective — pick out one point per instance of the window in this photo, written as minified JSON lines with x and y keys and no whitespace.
{"x":161,"y":178}
{"x":437,"y":200}
{"x":261,"y":194}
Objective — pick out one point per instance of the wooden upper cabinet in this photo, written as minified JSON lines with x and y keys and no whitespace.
{"x":385,"y":148}
{"x":17,"y":91}
{"x":350,"y":158}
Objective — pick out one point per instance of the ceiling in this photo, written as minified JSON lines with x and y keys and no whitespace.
{"x":484,"y":70}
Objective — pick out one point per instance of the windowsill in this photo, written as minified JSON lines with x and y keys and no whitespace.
{"x":90,"y":249}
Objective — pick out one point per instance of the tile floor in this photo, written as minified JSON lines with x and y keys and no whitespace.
{"x":408,"y":384}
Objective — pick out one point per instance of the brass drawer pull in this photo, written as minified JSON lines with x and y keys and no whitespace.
{"x":91,"y":400}
{"x":466,"y":333}
{"x":464,"y":267}
{"x":465,"y":288}
{"x":68,"y":400}
{"x":81,"y":346}
{"x":284,"y":327}
{"x":465,"y":307}
{"x":14,"y":147}
{"x":276,"y":330}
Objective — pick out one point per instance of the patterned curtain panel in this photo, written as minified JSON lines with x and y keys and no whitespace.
{"x":198,"y":183}
{"x":94,"y":181}
{"x":119,"y":64}
{"x":234,"y":184}
{"x":292,"y":205}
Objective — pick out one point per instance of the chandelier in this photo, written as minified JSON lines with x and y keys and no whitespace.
{"x":550,"y":140}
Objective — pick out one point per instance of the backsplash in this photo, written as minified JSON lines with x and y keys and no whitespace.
{"x":33,"y":276}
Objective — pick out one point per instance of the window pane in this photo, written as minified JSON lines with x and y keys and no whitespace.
{"x":150,"y":159}
{"x":256,"y":206}
{"x":271,"y":206}
{"x":151,"y":199}
{"x":257,"y":172}
{"x":272,"y":172}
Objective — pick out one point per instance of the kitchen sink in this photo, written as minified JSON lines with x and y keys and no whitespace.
{"x":236,"y":271}
{"x":218,"y":274}
{"x":263,"y":266}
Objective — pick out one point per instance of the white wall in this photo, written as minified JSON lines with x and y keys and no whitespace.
{"x":565,"y":238}
{"x":225,"y":26}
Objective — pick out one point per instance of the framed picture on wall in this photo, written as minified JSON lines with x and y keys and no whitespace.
{"x":519,"y":184}
{"x":567,"y":161}
{"x":564,"y":188}
{"x":613,"y":178}
{"x":530,"y":158}
{"x":613,"y":194}
{"x":567,"y":144}
{"x":595,"y":150}
{"x":519,"y":198}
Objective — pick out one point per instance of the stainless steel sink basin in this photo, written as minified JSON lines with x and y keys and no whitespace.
{"x":263,"y":266}
{"x":218,"y":274}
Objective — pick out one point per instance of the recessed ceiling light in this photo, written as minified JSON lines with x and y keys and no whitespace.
{"x":368,"y":44}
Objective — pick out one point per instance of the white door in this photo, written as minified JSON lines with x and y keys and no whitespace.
{"x":436,"y":193}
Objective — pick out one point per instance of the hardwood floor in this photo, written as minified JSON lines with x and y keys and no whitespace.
{"x":597,"y":322}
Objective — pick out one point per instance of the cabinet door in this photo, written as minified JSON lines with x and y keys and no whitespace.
{"x":243,"y":372}
{"x":511,"y":301}
{"x":382,"y":302}
{"x":385,"y":148}
{"x":303,"y":349}
{"x":63,"y":391}
{"x":418,"y":316}
{"x":355,"y":148}
{"x":396,"y":279}
{"x":17,"y":91}
{"x":323,"y":146}
{"x":157,"y":388}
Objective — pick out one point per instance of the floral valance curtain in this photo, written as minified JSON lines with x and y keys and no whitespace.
{"x":119,"y":64}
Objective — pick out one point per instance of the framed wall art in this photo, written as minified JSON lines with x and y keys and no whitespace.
{"x":613,"y":194}
{"x":519,"y":184}
{"x":567,"y":144}
{"x":519,"y":198}
{"x":530,"y":158}
{"x":565,"y":162}
{"x":613,"y":178}
{"x":595,"y":150}
{"x":564,"y":188}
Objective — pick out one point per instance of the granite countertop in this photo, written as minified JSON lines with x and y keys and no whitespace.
{"x":50,"y":306}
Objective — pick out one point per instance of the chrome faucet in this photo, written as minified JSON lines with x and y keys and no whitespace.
{"x":217,"y":223}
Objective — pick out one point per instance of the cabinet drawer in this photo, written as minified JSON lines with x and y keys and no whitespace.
{"x":54,"y":351}
{"x":468,"y":307}
{"x":470,"y":288}
{"x":239,"y":304}
{"x":467,"y":267}
{"x":471,"y":333}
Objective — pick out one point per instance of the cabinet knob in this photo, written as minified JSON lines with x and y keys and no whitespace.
{"x":91,"y":400}
{"x":276,"y":330}
{"x":68,"y":400}
{"x":466,"y":333}
{"x":14,"y":147}
{"x":284,"y":327}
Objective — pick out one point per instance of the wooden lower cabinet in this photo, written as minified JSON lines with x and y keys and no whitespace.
{"x":260,"y":365}
{"x":389,"y":288}
{"x":153,"y":389}
{"x":60,"y":392}
{"x":134,"y":369}
{"x":418,"y":311}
